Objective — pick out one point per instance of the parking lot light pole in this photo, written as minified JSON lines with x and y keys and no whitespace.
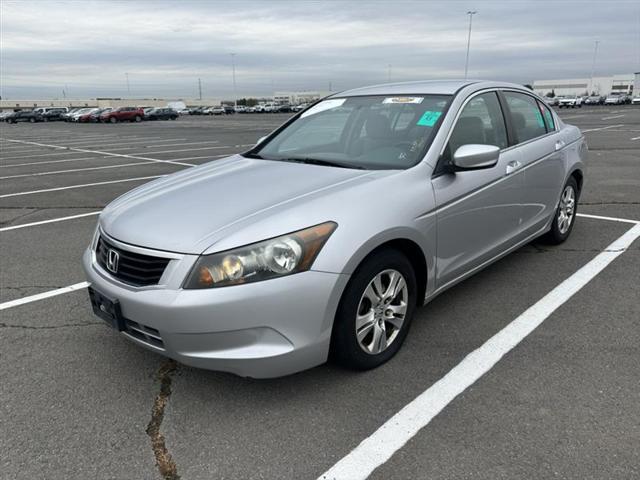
{"x":466,"y":62}
{"x":127,"y":77}
{"x":593,"y":65}
{"x":233,"y":68}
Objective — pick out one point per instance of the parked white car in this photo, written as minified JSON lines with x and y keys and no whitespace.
{"x":570,"y":101}
{"x":614,"y":100}
{"x":635,"y":101}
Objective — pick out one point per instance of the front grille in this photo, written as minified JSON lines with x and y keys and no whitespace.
{"x":144,"y":334}
{"x":132,"y":268}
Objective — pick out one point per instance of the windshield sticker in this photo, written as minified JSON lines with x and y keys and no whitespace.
{"x":429,"y":119}
{"x":322,"y":106}
{"x":403,"y":100}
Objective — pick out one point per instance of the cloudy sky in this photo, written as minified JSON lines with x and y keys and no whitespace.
{"x":88,"y":47}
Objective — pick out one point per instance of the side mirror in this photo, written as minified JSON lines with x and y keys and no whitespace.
{"x":475,"y":157}
{"x":261,"y":139}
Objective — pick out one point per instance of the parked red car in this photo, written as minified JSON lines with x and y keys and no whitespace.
{"x":123,"y":114}
{"x":91,"y":116}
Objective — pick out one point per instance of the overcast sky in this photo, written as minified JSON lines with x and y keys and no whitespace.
{"x":87,"y":47}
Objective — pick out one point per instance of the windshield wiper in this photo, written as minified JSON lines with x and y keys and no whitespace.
{"x":319,"y":161}
{"x":252,"y":155}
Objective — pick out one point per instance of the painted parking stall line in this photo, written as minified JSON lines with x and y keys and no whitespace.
{"x":404,"y":425}
{"x":52,"y":220}
{"x":133,"y":156}
{"x":74,"y":170}
{"x":602,"y":128}
{"x":612,"y":117}
{"x":43,"y":295}
{"x":85,"y":185}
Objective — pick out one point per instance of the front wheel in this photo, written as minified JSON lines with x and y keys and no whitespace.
{"x":32,"y":120}
{"x":113,"y":120}
{"x":565,"y":215}
{"x":375,"y":311}
{"x":138,"y":118}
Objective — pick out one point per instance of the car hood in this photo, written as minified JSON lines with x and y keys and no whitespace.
{"x":185,"y":212}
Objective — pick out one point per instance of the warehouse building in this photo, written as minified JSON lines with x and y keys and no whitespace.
{"x":581,"y":86}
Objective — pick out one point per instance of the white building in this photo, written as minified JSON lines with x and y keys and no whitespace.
{"x":578,"y":86}
{"x":296,"y":98}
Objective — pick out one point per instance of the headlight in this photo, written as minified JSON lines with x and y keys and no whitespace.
{"x":277,"y":257}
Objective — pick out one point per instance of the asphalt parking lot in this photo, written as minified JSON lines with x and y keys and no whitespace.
{"x":78,"y":401}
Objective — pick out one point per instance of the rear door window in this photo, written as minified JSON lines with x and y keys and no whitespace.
{"x":526,"y":117}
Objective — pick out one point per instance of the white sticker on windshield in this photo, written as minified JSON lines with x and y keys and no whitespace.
{"x":322,"y":106}
{"x":403,"y":100}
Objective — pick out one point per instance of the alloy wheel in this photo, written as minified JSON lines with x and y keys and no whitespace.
{"x":566,"y":209}
{"x":381,"y":311}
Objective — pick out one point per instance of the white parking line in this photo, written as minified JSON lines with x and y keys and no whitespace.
{"x":43,"y":295}
{"x":635,"y":138}
{"x":73,"y":170}
{"x":611,"y":219}
{"x":610,"y":118}
{"x":52,"y":220}
{"x":45,"y":162}
{"x":404,"y":425}
{"x":602,"y":128}
{"x":99,"y":152}
{"x":217,"y":147}
{"x":69,"y":187}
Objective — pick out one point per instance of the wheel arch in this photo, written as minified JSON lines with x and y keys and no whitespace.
{"x":406,"y":245}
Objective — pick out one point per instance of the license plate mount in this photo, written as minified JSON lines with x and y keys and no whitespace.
{"x":107,"y":309}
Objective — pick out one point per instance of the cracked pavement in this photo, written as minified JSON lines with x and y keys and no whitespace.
{"x":78,"y":401}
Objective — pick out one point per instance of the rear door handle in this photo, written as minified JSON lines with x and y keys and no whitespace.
{"x":513,"y":166}
{"x":560,"y":145}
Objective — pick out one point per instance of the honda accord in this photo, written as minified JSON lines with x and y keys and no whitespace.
{"x":323,"y":239}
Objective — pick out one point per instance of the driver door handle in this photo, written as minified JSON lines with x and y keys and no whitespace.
{"x":560,"y":145}
{"x":513,"y":166}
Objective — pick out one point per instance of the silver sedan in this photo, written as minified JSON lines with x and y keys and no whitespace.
{"x":323,"y":239}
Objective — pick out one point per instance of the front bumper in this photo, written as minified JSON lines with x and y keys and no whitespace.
{"x":261,"y":330}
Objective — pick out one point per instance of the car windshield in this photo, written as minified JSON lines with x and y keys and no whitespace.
{"x":368,"y":132}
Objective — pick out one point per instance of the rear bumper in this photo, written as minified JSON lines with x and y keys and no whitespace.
{"x":261,"y":330}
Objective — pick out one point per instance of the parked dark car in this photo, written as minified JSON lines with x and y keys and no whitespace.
{"x":93,"y":116}
{"x":162,"y":114}
{"x":24,"y":116}
{"x":228,"y":109}
{"x":196,"y":111}
{"x":284,"y":108}
{"x":123,"y":114}
{"x":54,"y":115}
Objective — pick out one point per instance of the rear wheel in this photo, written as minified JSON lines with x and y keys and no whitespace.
{"x":32,"y":120}
{"x":113,"y":120}
{"x":565,"y":215}
{"x":375,"y":311}
{"x":138,"y":119}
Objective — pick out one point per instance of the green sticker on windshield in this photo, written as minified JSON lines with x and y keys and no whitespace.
{"x":429,"y":119}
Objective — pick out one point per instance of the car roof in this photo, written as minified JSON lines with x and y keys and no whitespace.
{"x":434,"y":87}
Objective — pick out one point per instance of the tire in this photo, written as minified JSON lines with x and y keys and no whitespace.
{"x":137,"y":119}
{"x":560,"y":231}
{"x":365,"y":353}
{"x":32,"y":120}
{"x":113,"y":120}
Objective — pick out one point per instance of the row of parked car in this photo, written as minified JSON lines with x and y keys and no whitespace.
{"x":89,"y":115}
{"x":572,"y":101}
{"x":228,"y":109}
